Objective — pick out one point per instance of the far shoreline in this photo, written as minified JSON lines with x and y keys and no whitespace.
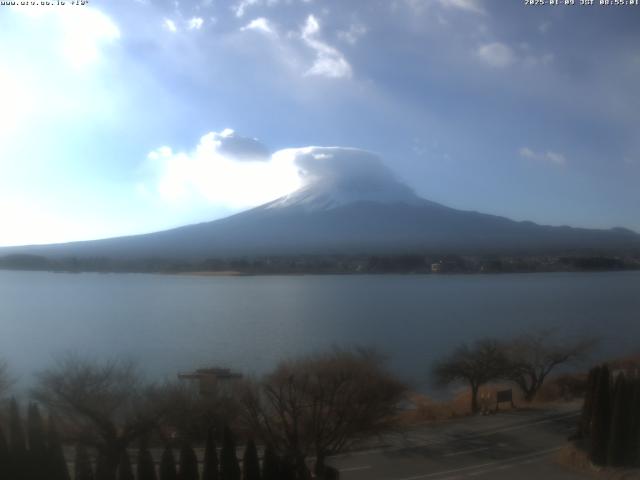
{"x":236,"y":273}
{"x":209,"y":273}
{"x":337,"y":264}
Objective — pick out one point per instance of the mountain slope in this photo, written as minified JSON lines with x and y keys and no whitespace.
{"x":349,"y":218}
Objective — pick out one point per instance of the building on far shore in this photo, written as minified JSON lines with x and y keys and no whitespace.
{"x":451,"y":264}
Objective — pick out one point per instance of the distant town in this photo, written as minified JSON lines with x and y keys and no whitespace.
{"x":332,"y":264}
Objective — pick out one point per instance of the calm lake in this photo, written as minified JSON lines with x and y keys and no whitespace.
{"x":171,"y":323}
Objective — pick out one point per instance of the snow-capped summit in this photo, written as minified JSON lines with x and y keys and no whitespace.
{"x":339,"y":176}
{"x":330,"y":194}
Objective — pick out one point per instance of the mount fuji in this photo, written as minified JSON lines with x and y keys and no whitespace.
{"x":349,"y":214}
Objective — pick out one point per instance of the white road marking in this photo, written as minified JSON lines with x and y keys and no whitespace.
{"x":464,"y":452}
{"x":451,"y":438}
{"x":372,"y":451}
{"x":354,"y":469}
{"x":520,"y":427}
{"x":475,"y":474}
{"x":490,"y":470}
{"x":444,"y":472}
{"x":507,"y":462}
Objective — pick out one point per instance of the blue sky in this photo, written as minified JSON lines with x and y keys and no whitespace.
{"x":122,"y":117}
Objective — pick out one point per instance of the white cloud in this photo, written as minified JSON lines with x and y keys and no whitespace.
{"x":533,"y":61}
{"x":338,"y":165}
{"x":228,"y":170}
{"x":26,"y":222}
{"x":195,"y":23}
{"x":501,"y":55}
{"x":260,"y":24}
{"x":222,"y":172}
{"x":170,"y":25}
{"x":17,"y":100}
{"x":554,"y":158}
{"x":84,"y":31}
{"x":329,"y":61}
{"x":241,"y":7}
{"x":353,"y":34}
{"x":496,"y":54}
{"x":468,"y":5}
{"x":544,"y":27}
{"x":46,"y":50}
{"x":239,"y":148}
{"x":526,"y":152}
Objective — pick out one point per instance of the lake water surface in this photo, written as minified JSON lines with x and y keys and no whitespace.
{"x":171,"y":323}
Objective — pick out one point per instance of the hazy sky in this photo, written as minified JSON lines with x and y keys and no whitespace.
{"x":128,"y":116}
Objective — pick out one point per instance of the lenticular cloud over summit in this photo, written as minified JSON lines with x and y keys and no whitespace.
{"x":334,"y":176}
{"x":230,"y":170}
{"x":317,"y":164}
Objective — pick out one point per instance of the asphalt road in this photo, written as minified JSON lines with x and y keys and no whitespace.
{"x":510,"y":445}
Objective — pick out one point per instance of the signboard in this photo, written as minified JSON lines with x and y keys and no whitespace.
{"x":504,"y":396}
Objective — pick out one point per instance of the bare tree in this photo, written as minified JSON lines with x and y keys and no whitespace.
{"x":322,"y":404}
{"x":5,"y":379}
{"x":476,"y":364}
{"x":191,"y":414}
{"x":103,"y":405}
{"x":534,"y":355}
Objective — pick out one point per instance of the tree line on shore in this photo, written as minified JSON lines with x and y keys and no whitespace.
{"x":303,"y":412}
{"x":331,"y":264}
